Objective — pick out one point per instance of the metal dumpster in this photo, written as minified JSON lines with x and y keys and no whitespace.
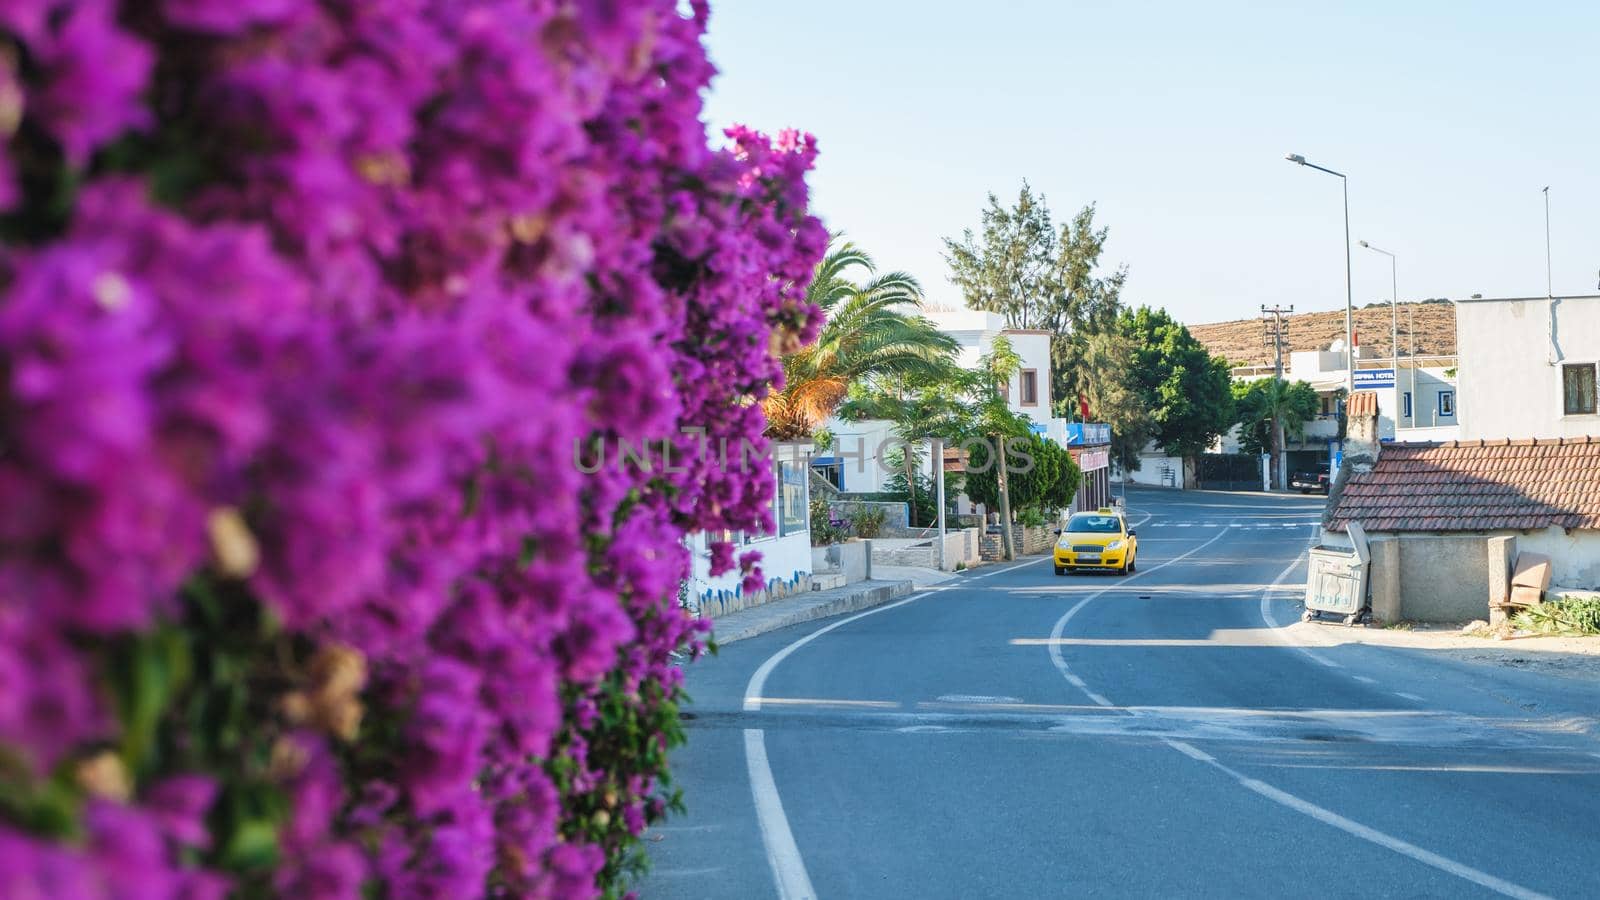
{"x":1336,"y":581}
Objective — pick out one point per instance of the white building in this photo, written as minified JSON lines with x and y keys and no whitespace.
{"x":1525,"y":469}
{"x":1027,"y":392}
{"x":1417,"y":399}
{"x":1528,"y":367}
{"x":855,"y":461}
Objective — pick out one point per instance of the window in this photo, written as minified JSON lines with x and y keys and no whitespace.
{"x":792,"y":515}
{"x":1091,"y":523}
{"x":1447,"y":403}
{"x":1408,"y":404}
{"x":1030,"y":387}
{"x":1578,"y":389}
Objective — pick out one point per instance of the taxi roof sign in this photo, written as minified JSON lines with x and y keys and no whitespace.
{"x":1106,"y":511}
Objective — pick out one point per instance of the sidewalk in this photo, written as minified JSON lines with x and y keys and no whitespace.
{"x":1562,"y":656}
{"x":919,"y":576}
{"x":797,"y":608}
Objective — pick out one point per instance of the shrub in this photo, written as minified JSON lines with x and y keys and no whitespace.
{"x":1578,"y":615}
{"x":1032,"y":518}
{"x":1050,"y":482}
{"x":306,"y":310}
{"x":867,"y":521}
{"x":823,"y":529}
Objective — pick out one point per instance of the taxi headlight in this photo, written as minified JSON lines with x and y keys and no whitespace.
{"x":1114,"y":545}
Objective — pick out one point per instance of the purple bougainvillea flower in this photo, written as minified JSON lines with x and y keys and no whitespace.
{"x":356,"y":280}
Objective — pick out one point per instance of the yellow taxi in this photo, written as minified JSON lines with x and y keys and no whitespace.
{"x":1097,"y":540}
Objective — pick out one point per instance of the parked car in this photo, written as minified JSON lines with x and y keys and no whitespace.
{"x":1097,"y":540}
{"x":1313,"y":480}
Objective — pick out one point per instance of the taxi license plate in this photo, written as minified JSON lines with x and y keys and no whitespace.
{"x":1088,"y":557}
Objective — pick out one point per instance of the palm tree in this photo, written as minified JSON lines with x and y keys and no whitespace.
{"x":1269,"y":409}
{"x":870,"y":330}
{"x":950,"y":402}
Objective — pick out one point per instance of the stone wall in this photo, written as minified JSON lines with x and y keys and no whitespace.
{"x":896,"y":513}
{"x":1027,"y":541}
{"x":960,"y":546}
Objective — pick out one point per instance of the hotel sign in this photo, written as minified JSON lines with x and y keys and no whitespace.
{"x":1091,"y":460}
{"x":1373,"y":379}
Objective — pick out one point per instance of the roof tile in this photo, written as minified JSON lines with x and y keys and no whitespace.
{"x":1475,"y":486}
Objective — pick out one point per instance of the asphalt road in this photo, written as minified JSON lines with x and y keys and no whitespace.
{"x":1016,"y":733}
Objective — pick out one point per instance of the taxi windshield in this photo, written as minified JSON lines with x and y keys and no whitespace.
{"x":1092,"y":524}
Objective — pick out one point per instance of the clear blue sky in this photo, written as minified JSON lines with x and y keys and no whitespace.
{"x":1175,"y":117}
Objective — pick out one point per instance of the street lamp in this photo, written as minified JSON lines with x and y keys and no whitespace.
{"x":1349,"y":307}
{"x":1394,"y":331}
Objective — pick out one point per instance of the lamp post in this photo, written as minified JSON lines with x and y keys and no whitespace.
{"x":938,"y":487}
{"x":1394,"y":327}
{"x":1349,"y":307}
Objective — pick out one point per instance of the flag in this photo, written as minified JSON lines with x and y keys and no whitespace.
{"x":1083,"y":408}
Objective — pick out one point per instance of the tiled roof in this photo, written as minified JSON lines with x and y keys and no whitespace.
{"x":1476,"y":486}
{"x":1363,"y":403}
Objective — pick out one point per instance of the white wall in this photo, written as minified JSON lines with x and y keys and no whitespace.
{"x":1428,"y":410}
{"x":856,"y":446}
{"x":1151,"y":463}
{"x":785,"y":562}
{"x":1510,"y":372}
{"x":976,"y":331}
{"x":785,"y":558}
{"x":1034,"y":349}
{"x":1574,"y":557}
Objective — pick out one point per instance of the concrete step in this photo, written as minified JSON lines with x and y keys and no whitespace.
{"x":827,"y":581}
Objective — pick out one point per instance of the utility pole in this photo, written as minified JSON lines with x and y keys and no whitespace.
{"x":1006,"y":551}
{"x":1272,"y":317}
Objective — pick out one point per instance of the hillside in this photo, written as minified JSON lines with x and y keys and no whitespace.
{"x":1243,"y":342}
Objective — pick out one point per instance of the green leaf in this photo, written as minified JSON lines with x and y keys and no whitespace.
{"x":253,"y":844}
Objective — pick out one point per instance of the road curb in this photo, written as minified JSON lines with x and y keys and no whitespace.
{"x":748,"y":623}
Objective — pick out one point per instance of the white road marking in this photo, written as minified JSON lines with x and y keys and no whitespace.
{"x":1389,"y":842}
{"x":1364,"y":679}
{"x":1189,"y":750}
{"x":752,"y":690}
{"x":1284,"y":798}
{"x":1407,"y":696}
{"x":783,"y":855}
{"x":1275,"y":628}
{"x":788,"y":870}
{"x":1061,"y":623}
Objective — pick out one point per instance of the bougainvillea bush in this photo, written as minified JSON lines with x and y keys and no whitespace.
{"x":313,"y":318}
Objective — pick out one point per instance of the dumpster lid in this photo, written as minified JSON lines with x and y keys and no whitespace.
{"x":1358,"y":537}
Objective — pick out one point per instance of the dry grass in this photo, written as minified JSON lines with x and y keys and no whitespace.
{"x":1242,"y":342}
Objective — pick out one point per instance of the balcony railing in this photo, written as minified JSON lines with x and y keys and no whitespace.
{"x":1087,"y":434}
